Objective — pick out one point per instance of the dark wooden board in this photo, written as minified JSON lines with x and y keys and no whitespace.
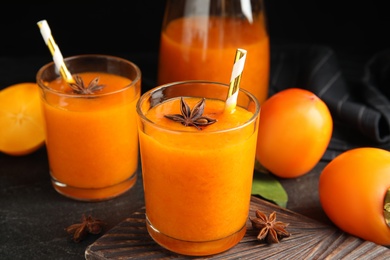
{"x":309,"y":239}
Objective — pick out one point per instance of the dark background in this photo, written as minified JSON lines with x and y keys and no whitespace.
{"x":32,"y":214}
{"x":354,"y":29}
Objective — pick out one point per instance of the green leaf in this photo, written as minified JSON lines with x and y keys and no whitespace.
{"x":268,"y":187}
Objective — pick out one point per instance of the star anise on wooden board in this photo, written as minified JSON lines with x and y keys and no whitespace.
{"x":78,"y":86}
{"x":192,"y":117}
{"x":271,"y":231}
{"x":89,"y":225}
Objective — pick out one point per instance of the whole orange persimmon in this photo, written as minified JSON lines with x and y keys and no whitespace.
{"x":352,"y":190}
{"x":295,"y":129}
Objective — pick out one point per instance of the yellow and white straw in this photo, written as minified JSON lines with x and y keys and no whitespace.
{"x":55,"y":51}
{"x":238,"y":67}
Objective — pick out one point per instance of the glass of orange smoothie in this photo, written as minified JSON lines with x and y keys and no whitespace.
{"x":91,"y":127}
{"x":198,"y":39}
{"x":197,"y":165}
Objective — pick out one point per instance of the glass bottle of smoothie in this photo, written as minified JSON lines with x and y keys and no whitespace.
{"x":200,"y":37}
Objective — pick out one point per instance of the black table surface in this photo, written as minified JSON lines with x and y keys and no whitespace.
{"x":33,"y":215}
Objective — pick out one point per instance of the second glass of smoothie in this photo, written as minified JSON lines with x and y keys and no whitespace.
{"x":197,"y":165}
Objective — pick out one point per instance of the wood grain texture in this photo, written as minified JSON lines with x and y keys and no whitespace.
{"x":309,"y":239}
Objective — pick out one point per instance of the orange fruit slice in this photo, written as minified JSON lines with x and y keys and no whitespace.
{"x":21,"y":119}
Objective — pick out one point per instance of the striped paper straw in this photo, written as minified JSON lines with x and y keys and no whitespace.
{"x":238,"y":67}
{"x":55,"y":51}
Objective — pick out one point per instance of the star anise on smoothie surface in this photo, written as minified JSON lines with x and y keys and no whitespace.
{"x":88,"y":225}
{"x":192,"y":117}
{"x":79,"y":87}
{"x":271,"y":231}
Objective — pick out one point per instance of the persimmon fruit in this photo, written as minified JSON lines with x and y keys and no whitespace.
{"x":295,"y":129}
{"x":21,"y":119}
{"x":352,"y":191}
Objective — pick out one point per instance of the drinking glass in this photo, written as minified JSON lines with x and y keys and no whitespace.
{"x":92,"y":138}
{"x":197,"y":179}
{"x":199,"y":39}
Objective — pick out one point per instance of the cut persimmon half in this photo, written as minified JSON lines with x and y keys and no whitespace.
{"x":21,"y":119}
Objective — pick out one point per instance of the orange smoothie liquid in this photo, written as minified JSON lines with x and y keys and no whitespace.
{"x":204,"y":48}
{"x":92,"y":141}
{"x":198,"y":183}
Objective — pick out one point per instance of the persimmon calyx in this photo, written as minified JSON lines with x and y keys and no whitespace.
{"x":386,"y":208}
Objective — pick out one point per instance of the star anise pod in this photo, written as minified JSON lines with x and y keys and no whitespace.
{"x":88,"y":224}
{"x":270,"y":230}
{"x":192,"y":117}
{"x":78,"y":86}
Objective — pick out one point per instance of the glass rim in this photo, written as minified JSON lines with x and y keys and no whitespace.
{"x":100,"y":56}
{"x":164,"y":86}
